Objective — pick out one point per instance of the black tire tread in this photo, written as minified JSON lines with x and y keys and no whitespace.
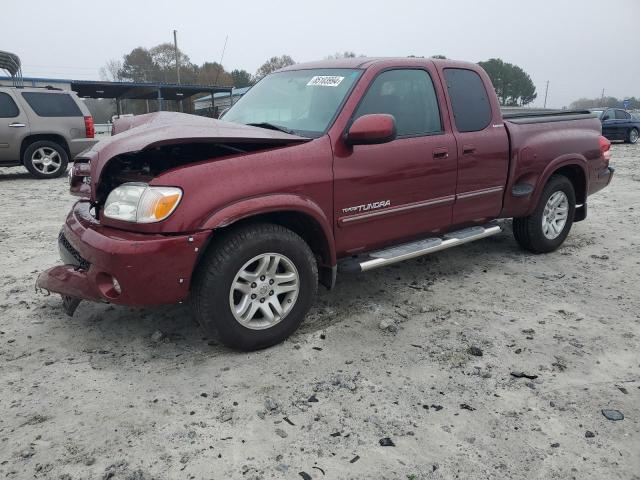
{"x":222,"y":250}
{"x":28,"y":151}
{"x":527,"y":230}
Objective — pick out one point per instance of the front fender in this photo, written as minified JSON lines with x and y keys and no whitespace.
{"x":255,"y":206}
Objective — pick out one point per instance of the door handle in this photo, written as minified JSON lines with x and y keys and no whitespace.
{"x":15,"y":125}
{"x":441,"y":153}
{"x":468,"y":149}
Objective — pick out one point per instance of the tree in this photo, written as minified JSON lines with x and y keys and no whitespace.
{"x":512,"y":84}
{"x":345,"y":54}
{"x":241,"y":78}
{"x":441,"y":57}
{"x":164,"y":56}
{"x":111,"y":71}
{"x":138,"y":66}
{"x":273,"y":64}
{"x":212,"y":73}
{"x":582,"y":103}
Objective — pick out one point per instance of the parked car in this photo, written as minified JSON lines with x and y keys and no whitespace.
{"x":42,"y":129}
{"x":618,"y":124}
{"x":340,"y":165}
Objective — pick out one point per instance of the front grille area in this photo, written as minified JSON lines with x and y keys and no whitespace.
{"x":70,"y":255}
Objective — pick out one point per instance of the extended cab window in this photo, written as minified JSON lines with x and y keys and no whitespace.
{"x":409,"y":96}
{"x":8,"y":108}
{"x":469,"y":99}
{"x":47,"y":104}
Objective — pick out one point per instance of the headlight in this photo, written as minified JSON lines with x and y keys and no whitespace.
{"x":140,"y":203}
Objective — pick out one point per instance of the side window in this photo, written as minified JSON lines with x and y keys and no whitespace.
{"x":622,"y":115}
{"x":47,"y":104}
{"x":409,"y":96}
{"x":608,"y":115}
{"x":469,"y":99}
{"x":8,"y":108}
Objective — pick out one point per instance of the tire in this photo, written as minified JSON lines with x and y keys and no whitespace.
{"x":632,"y":136}
{"x":215,"y":296}
{"x":45,"y":159}
{"x":529,"y":231}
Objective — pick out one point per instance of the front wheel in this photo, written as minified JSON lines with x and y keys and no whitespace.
{"x":633,"y":135}
{"x":255,"y":286}
{"x":548,"y":226}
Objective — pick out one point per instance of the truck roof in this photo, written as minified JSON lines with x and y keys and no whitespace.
{"x":367,"y":62}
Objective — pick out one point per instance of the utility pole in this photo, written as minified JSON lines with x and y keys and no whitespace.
{"x":215,"y":82}
{"x":546,"y":91}
{"x":175,"y":44}
{"x":602,"y":98}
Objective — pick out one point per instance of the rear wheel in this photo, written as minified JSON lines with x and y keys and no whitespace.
{"x":255,"y":286}
{"x":633,"y":135}
{"x":45,"y":159}
{"x":548,"y":226}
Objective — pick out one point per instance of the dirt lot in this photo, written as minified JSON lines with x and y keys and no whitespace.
{"x":139,"y":393}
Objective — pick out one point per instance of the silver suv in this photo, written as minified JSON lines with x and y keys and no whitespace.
{"x":43,"y":129}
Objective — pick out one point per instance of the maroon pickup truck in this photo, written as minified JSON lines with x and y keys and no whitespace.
{"x":343,"y":165}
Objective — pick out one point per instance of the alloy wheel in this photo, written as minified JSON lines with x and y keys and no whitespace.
{"x":264,"y":291}
{"x":554,"y":216}
{"x":46,"y":160}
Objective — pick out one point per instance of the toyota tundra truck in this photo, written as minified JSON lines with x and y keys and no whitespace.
{"x":335,"y":166}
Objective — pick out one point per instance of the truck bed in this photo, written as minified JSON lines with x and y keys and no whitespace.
{"x":524,"y":116}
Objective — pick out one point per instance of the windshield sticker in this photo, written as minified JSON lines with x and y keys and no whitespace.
{"x":325,"y":81}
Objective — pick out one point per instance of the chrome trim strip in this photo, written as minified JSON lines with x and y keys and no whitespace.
{"x":392,"y":210}
{"x":477,"y":193}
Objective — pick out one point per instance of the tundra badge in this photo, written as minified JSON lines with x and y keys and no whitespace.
{"x":367,"y":207}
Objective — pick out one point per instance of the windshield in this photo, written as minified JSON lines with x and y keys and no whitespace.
{"x":304,"y":102}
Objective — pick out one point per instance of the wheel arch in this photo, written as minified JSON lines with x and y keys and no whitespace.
{"x":299,"y":214}
{"x":37,"y":137}
{"x":574,"y":168}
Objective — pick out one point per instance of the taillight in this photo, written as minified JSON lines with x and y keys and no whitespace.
{"x":605,"y":146}
{"x":89,"y":128}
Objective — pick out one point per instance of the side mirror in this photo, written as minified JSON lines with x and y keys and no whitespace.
{"x":372,"y":129}
{"x":606,"y":117}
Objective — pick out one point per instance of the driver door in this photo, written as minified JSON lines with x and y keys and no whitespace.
{"x":396,"y":191}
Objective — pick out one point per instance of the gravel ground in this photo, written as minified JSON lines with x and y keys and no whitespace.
{"x":128,"y":393}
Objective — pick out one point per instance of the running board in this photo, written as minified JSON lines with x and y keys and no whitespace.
{"x":406,"y":251}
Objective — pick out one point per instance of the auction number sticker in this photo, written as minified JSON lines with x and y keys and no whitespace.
{"x":325,"y":81}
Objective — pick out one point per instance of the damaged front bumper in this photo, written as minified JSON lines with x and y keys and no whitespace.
{"x":104,"y":264}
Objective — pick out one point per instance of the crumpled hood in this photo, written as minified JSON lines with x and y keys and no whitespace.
{"x":171,"y":128}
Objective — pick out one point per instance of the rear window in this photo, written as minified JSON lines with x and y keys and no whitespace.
{"x":469,"y":99}
{"x":8,"y":107}
{"x":47,"y":104}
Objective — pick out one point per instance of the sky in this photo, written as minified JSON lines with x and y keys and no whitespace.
{"x":578,"y":46}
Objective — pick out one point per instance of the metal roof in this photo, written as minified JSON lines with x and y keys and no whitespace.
{"x":235,"y":92}
{"x":142,"y":90}
{"x":11,"y":63}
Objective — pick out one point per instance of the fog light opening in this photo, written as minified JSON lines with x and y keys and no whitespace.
{"x":116,"y":285}
{"x":109,"y":287}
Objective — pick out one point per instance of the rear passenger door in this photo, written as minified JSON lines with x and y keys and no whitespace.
{"x":13,"y":128}
{"x":483,"y":148}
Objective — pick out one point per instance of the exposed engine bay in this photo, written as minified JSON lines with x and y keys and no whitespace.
{"x":147,"y":164}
